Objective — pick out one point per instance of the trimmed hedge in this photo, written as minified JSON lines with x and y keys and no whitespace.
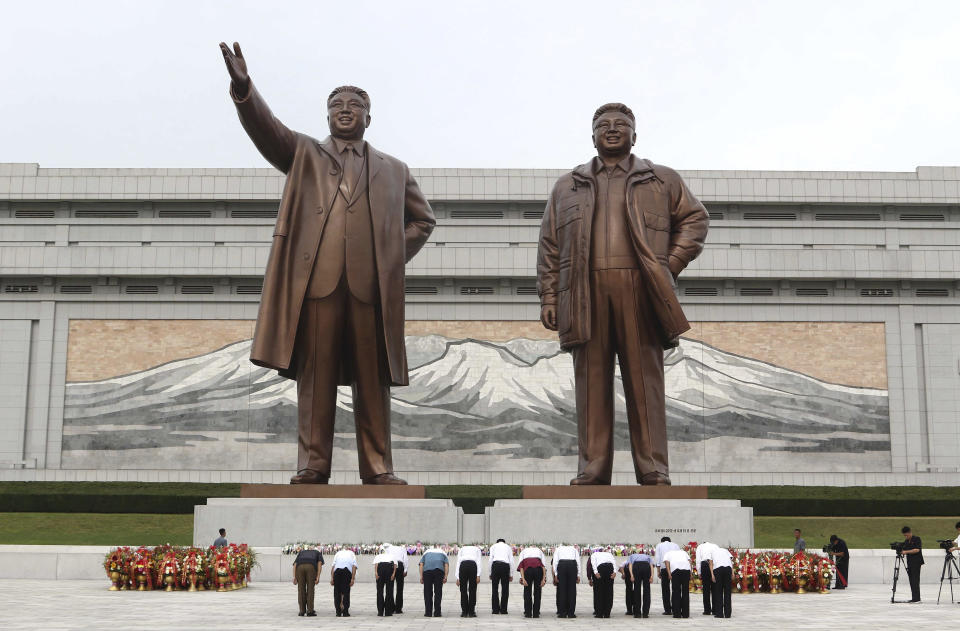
{"x":837,"y":501}
{"x":180,"y":498}
{"x":109,"y":497}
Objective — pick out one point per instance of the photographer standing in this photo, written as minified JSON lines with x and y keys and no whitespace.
{"x":956,"y":543}
{"x":913,"y":550}
{"x":841,"y":559}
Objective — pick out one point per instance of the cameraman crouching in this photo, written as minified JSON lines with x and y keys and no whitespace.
{"x":913,"y":550}
{"x":841,"y":559}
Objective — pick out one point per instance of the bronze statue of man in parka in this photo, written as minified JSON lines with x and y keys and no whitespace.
{"x":332,"y":309}
{"x":616,"y":233}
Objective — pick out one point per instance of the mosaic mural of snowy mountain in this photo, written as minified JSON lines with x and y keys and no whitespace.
{"x":510,"y":403}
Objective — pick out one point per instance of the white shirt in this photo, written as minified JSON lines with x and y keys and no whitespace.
{"x":468,"y":553}
{"x":703,"y":552}
{"x":399,"y":555}
{"x":957,"y":542}
{"x":527,"y":553}
{"x":383,"y":557}
{"x":721,"y":557}
{"x":344,"y":559}
{"x":501,"y":552}
{"x":662,"y":548}
{"x":600,"y":557}
{"x":566,"y":553}
{"x":678,"y":559}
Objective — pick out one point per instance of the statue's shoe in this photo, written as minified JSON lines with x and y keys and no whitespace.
{"x":309,"y":477}
{"x":384,"y":478}
{"x":586,"y":480}
{"x":655,"y":479}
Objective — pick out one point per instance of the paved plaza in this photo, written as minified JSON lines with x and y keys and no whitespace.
{"x":57,"y":605}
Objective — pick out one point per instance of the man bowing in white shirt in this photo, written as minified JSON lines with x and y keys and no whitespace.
{"x":501,"y":573}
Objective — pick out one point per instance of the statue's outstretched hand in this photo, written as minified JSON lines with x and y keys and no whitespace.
{"x":237,"y":67}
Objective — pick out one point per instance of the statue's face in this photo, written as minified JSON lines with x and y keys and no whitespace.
{"x":347,"y":116}
{"x":613,"y":133}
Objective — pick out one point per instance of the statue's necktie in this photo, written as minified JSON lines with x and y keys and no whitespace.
{"x":351,"y":170}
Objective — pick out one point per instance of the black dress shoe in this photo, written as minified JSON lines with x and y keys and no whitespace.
{"x":302,"y":613}
{"x":463,"y":614}
{"x":646,"y":615}
{"x":526,"y":615}
{"x":536,"y":615}
{"x":561,"y":615}
{"x":384,"y":478}
{"x":573,"y":615}
{"x":346,"y":614}
{"x":309,"y":477}
{"x":471,"y":615}
{"x":311,"y":614}
{"x":339,"y":614}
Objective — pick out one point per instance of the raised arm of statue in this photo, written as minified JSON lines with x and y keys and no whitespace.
{"x":273,"y":139}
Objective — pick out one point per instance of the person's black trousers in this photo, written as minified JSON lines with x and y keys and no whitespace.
{"x":567,"y":589}
{"x":432,"y":592}
{"x":468,"y":587}
{"x":531,"y":591}
{"x":722,"y":591}
{"x":843,"y":566}
{"x":603,"y":579}
{"x":707,"y":582}
{"x":665,"y":590}
{"x":681,"y":593}
{"x":913,"y":572}
{"x":500,"y":579}
{"x":641,"y":589}
{"x":595,"y":590}
{"x":398,"y":595}
{"x":341,"y":590}
{"x":627,"y":591}
{"x":384,"y":589}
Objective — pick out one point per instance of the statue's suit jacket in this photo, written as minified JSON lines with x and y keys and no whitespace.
{"x":667,"y":226}
{"x":402,"y":222}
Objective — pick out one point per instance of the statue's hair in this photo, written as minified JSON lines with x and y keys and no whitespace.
{"x":614,"y":107}
{"x":358,"y":91}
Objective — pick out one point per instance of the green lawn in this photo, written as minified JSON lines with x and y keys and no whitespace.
{"x":858,"y":532}
{"x":96,"y":529}
{"x":151,"y":529}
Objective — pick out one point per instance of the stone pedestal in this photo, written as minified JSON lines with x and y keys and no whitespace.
{"x":404,"y":491}
{"x":277,"y":521}
{"x":586,"y":521}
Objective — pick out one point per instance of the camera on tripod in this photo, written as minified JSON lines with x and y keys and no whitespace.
{"x":946,"y":544}
{"x":827,"y":549}
{"x":898,"y":546}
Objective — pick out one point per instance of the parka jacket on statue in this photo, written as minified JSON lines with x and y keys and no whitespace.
{"x":667,"y":227}
{"x":402,"y":222}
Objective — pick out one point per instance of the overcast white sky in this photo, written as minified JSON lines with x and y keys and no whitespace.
{"x":716,"y":85}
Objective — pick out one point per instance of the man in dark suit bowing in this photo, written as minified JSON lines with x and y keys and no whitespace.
{"x":332,"y":308}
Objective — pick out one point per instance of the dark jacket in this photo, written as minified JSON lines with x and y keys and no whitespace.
{"x":667,"y":224}
{"x":402,"y":222}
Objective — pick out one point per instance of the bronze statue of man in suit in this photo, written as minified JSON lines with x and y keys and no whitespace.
{"x":331,"y":312}
{"x":616,"y":233}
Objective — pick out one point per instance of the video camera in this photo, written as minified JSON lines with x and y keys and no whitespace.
{"x":898,"y":546}
{"x":946,"y":544}
{"x":827,"y":548}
